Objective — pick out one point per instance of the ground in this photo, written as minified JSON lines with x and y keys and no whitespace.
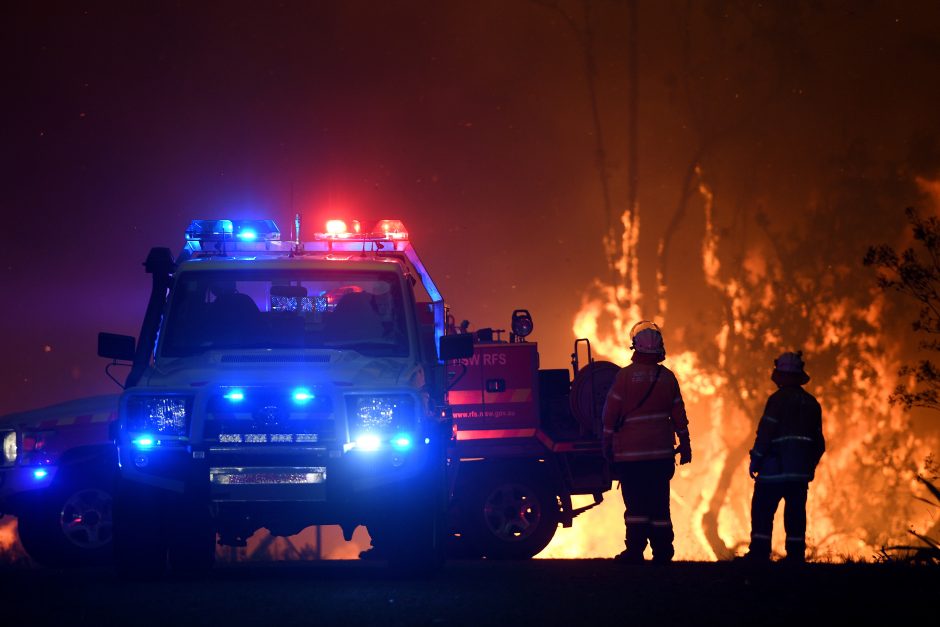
{"x":528,"y":593}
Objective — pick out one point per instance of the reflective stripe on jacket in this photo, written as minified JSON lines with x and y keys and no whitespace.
{"x":647,"y":431}
{"x":789,"y":440}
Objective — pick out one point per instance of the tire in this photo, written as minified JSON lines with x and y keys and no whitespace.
{"x":511,"y":516}
{"x":71,"y":523}
{"x":140,"y":546}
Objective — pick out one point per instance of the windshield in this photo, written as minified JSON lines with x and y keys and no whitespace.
{"x":225,"y":309}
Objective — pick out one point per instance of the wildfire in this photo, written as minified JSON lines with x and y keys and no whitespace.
{"x":11,"y":550}
{"x":313,"y":543}
{"x":862,"y":497}
{"x":7,"y":535}
{"x":614,"y":307}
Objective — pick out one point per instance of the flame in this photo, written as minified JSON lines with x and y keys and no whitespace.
{"x":11,"y":551}
{"x":312,"y":543}
{"x":8,"y":536}
{"x":614,"y":307}
{"x":861,"y":498}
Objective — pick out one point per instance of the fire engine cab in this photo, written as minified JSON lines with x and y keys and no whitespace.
{"x":56,"y":476}
{"x":283,"y":384}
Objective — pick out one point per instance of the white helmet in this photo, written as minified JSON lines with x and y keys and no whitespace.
{"x":647,"y":338}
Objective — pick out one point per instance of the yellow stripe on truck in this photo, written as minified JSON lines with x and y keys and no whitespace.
{"x":490,"y":434}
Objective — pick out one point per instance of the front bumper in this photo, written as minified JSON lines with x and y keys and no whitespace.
{"x":258,"y":474}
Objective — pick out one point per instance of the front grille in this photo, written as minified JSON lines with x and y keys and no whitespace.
{"x":269,"y":417}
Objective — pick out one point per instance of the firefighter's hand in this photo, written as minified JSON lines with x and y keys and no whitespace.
{"x":608,"y":450}
{"x":685,"y":452}
{"x":753,"y":469}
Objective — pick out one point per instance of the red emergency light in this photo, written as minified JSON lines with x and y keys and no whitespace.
{"x":383,"y":230}
{"x":392,"y":229}
{"x":336,"y":228}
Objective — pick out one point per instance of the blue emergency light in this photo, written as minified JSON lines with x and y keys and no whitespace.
{"x":234,"y":396}
{"x":401,"y":442}
{"x":233,"y":230}
{"x":302,"y":396}
{"x":144,"y":441}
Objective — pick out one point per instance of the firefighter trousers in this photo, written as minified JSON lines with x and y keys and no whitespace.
{"x":767,"y":496}
{"x":645,"y":488}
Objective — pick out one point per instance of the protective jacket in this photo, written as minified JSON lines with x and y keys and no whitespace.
{"x":644,"y":412}
{"x":789,"y":440}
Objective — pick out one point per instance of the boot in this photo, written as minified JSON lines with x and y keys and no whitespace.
{"x":796,"y":551}
{"x":635,"y":543}
{"x":758,"y":552}
{"x":661,"y":538}
{"x":626,"y":557}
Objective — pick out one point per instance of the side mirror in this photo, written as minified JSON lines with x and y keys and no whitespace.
{"x":456,"y":346}
{"x":116,"y":347}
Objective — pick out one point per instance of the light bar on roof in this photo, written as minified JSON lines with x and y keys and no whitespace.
{"x":384,"y":230}
{"x":392,"y":229}
{"x":336,"y":228}
{"x":233,"y":230}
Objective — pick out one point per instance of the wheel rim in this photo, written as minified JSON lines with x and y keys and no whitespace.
{"x":86,"y":519}
{"x":512,"y":512}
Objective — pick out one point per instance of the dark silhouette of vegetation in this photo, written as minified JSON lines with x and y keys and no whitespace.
{"x":915,"y":272}
{"x":926,"y":553}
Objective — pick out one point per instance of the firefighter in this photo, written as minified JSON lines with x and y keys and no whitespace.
{"x":787,"y":448}
{"x":643,"y":416}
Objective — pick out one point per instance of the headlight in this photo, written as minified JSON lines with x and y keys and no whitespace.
{"x":380,"y":415}
{"x":9,"y":448}
{"x":159,"y":415}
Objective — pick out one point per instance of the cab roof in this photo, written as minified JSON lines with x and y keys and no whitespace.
{"x":328,"y":261}
{"x":227,"y":244}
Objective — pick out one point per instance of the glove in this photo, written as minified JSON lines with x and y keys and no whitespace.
{"x":753,"y":468}
{"x":685,"y":451}
{"x":608,"y":450}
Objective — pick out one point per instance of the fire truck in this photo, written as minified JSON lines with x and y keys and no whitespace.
{"x":526,"y":440}
{"x":287,"y":383}
{"x":56,"y":476}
